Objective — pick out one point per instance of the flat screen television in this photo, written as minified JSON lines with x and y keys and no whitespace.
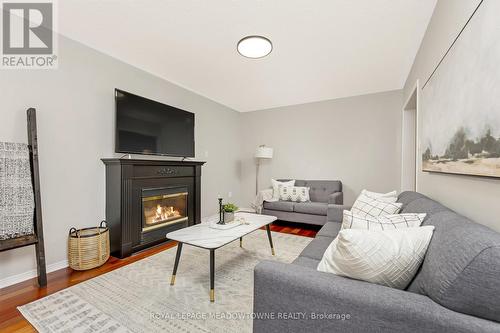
{"x":147,"y":127}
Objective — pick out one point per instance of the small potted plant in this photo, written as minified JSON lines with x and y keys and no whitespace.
{"x":229,"y":210}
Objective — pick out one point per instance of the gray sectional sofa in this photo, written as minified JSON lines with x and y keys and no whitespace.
{"x":322,"y":194}
{"x":457,"y":288}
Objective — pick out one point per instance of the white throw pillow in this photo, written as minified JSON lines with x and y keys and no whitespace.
{"x":376,"y":195}
{"x":368,"y":205}
{"x":390,"y":257}
{"x":294,"y":193}
{"x":386,"y":222}
{"x":276,"y":187}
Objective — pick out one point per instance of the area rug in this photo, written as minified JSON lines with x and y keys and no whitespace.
{"x":139,"y":298}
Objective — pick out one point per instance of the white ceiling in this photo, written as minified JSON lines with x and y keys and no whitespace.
{"x":323,"y":49}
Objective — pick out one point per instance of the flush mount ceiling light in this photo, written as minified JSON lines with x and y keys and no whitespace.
{"x":254,"y":47}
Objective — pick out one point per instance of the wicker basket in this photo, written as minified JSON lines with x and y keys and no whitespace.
{"x":88,"y":248}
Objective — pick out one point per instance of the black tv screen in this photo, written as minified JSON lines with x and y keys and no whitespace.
{"x":144,"y":126}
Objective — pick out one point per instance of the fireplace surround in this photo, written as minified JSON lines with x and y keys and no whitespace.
{"x":146,"y":199}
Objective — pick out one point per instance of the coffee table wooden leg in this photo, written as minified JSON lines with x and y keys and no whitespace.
{"x":268,"y":229}
{"x":176,"y":263}
{"x":212,"y":275}
{"x":241,"y":241}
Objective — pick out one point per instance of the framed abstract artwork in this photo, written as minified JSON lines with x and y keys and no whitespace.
{"x":461,"y":102}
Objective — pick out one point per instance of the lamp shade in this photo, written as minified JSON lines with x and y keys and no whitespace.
{"x":264,"y":152}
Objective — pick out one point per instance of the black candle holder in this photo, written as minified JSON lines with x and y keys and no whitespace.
{"x":221,"y":212}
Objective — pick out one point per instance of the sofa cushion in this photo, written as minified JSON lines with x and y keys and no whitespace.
{"x":292,"y":288}
{"x":285,"y":206}
{"x":330,"y":229}
{"x":306,"y":262}
{"x":462,"y":266}
{"x":296,"y":217}
{"x":315,"y":208}
{"x":320,"y":190}
{"x":317,"y":247}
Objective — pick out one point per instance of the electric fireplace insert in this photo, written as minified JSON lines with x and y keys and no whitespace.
{"x":163,"y":206}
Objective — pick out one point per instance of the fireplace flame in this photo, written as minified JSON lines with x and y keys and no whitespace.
{"x":164,"y":213}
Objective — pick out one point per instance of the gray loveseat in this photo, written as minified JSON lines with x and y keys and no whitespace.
{"x":322,"y":194}
{"x":457,"y":288}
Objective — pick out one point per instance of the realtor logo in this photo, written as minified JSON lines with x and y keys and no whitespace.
{"x":28,"y":35}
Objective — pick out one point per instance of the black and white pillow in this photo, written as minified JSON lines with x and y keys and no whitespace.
{"x":368,"y":204}
{"x":387,"y":257}
{"x":386,"y":222}
{"x":294,"y":193}
{"x":278,"y":184}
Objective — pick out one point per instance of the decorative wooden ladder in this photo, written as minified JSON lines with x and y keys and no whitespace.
{"x":37,"y":238}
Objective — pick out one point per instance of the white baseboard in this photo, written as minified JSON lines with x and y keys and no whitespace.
{"x":8,"y":281}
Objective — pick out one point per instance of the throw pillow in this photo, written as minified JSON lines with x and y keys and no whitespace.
{"x":389,"y":257}
{"x":376,"y":195}
{"x":386,"y":222}
{"x":294,"y":193}
{"x":368,"y":205}
{"x":276,"y":187}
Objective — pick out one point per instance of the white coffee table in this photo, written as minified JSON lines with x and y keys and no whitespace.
{"x":201,"y":235}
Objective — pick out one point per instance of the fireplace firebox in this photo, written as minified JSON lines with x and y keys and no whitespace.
{"x":146,"y":199}
{"x":162,"y":207}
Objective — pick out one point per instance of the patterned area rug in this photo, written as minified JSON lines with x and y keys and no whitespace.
{"x":139,"y":298}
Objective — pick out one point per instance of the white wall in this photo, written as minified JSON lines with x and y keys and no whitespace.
{"x":474,"y":197}
{"x":355,"y":140}
{"x":75,"y":111}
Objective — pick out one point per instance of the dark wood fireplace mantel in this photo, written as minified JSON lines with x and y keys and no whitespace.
{"x":126,"y":182}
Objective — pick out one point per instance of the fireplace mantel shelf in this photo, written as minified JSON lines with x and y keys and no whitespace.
{"x":140,"y":161}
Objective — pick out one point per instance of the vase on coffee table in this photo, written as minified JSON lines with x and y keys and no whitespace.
{"x":228,"y":217}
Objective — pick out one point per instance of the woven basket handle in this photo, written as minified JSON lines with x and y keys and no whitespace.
{"x":103,"y":224}
{"x":73,"y":230}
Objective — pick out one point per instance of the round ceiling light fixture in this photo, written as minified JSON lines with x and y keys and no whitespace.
{"x":254,"y":47}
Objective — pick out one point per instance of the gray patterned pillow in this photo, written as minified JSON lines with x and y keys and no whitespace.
{"x":294,"y":193}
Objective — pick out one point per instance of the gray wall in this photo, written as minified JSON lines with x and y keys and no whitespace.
{"x":474,"y":197}
{"x":355,"y":140}
{"x":75,"y":109}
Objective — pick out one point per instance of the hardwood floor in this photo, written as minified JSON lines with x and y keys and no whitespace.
{"x":11,"y":297}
